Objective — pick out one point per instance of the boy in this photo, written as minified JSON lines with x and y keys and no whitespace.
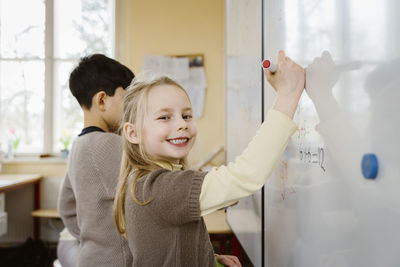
{"x":87,"y":194}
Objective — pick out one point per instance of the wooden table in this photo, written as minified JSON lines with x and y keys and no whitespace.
{"x":10,"y":182}
{"x":216,"y":223}
{"x":46,"y":213}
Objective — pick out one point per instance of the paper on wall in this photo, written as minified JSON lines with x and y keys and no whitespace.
{"x":192,"y":79}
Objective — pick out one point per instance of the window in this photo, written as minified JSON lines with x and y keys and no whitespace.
{"x":40,"y":44}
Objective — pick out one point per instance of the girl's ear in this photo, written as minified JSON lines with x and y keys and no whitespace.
{"x":130,"y":133}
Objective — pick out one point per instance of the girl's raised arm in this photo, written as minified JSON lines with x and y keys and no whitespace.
{"x":225,"y":185}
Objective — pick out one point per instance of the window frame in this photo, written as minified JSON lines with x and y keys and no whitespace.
{"x":49,"y":114}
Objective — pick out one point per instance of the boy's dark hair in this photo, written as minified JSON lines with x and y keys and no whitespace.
{"x":96,"y":73}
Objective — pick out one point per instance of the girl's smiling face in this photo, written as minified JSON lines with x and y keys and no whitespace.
{"x":169,"y":131}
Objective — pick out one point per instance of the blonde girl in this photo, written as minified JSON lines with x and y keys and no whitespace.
{"x":159,"y":203}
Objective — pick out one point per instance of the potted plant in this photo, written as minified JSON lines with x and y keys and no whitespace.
{"x":65,"y":141}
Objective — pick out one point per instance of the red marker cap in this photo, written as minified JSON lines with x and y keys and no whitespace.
{"x":266,"y":63}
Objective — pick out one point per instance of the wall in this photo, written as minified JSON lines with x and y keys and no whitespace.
{"x":244,"y":111}
{"x":145,"y":27}
{"x":177,"y":27}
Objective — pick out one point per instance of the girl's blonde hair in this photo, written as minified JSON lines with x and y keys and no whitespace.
{"x":135,"y":161}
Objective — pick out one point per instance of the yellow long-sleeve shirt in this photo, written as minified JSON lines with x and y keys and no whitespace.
{"x":225,"y":185}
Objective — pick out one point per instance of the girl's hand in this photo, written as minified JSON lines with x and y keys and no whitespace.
{"x":289,"y":77}
{"x":228,"y":260}
{"x":288,"y":81}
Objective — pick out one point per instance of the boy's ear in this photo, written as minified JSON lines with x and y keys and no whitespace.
{"x":130,"y":133}
{"x":99,"y":100}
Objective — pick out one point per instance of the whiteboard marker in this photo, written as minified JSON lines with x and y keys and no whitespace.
{"x":269,"y":66}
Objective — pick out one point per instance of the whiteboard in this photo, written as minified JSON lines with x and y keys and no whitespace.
{"x":326,"y":213}
{"x":319,"y":210}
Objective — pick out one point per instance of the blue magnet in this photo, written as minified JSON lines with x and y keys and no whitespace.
{"x":369,"y":166}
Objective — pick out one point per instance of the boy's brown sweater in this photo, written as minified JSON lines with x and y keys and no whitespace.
{"x":86,"y":200}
